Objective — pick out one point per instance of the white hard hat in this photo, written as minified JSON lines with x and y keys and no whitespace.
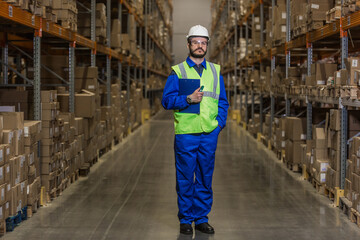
{"x":198,"y":31}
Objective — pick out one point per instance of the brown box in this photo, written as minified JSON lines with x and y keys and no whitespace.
{"x":23,"y":168}
{"x":7,"y":173}
{"x":334,"y":157}
{"x":321,"y":72}
{"x":320,"y":153}
{"x":86,"y":72}
{"x":19,"y":142}
{"x":9,"y":138}
{"x":354,"y":120}
{"x":335,"y":119}
{"x":47,"y":132}
{"x":15,"y":171}
{"x":292,"y":150}
{"x":2,"y":194}
{"x":48,"y":96}
{"x":15,"y":203}
{"x":319,"y":137}
{"x":352,"y":65}
{"x":13,"y":120}
{"x":295,"y":128}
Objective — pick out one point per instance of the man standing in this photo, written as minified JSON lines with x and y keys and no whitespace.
{"x":196,"y":134}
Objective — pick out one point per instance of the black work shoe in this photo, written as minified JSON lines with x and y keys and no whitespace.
{"x":186,"y":229}
{"x":205,"y":228}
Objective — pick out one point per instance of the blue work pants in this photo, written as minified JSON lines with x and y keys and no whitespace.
{"x":195,"y":160}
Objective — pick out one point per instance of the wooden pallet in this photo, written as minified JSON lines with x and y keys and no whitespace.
{"x":345,"y":205}
{"x":84,"y":170}
{"x":2,"y":228}
{"x":293,"y":166}
{"x":355,"y":217}
{"x":33,"y":208}
{"x":318,"y":186}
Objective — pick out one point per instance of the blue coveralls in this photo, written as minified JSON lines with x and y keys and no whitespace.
{"x":194,"y":154}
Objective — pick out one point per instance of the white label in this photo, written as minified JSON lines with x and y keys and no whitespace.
{"x":301,"y":17}
{"x":283,"y":133}
{"x":1,"y":155}
{"x":257,"y":19}
{"x":31,"y":158}
{"x":257,"y":27}
{"x":312,"y":160}
{"x":283,"y":144}
{"x":283,"y":15}
{"x":283,"y":28}
{"x":303,"y":136}
{"x":11,"y":135}
{"x":338,"y":75}
{"x":7,"y":205}
{"x":91,"y":87}
{"x":354,"y":63}
{"x":8,"y":169}
{"x":8,"y":151}
{"x":320,"y":82}
{"x":315,"y":6}
{"x":22,"y":160}
{"x":28,"y":190}
{"x":323,"y":167}
{"x":10,"y":11}
{"x":2,"y":194}
{"x":19,"y":133}
{"x":51,"y":132}
{"x":1,"y":173}
{"x":26,"y":131}
{"x":322,"y":177}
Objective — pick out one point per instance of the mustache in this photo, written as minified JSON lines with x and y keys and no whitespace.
{"x":200,"y":49}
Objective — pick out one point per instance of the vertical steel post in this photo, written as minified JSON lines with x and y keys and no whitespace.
{"x":120,"y":74}
{"x":252,"y":105}
{"x":246,"y":107}
{"x":228,"y":84}
{"x":37,"y":78}
{"x":146,"y":48}
{"x":235,"y":59}
{"x":261,"y":113}
{"x":309,"y":104}
{"x":72,"y":77}
{"x":287,"y":105}
{"x":344,"y":112}
{"x":287,"y":37}
{"x":5,"y":60}
{"x":140,"y":49}
{"x":272,"y":112}
{"x":93,"y":31}
{"x":108,"y":80}
{"x":128,"y":93}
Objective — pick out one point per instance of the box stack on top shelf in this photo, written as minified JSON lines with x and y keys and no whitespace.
{"x":84,"y":23}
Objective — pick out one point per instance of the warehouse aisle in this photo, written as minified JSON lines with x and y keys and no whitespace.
{"x":130,"y":194}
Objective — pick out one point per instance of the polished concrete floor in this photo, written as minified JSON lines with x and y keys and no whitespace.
{"x":130,"y":194}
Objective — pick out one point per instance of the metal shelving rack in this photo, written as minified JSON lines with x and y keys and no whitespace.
{"x":40,"y":26}
{"x":331,"y":30}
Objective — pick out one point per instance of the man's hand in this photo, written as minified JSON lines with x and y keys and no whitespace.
{"x":196,"y":96}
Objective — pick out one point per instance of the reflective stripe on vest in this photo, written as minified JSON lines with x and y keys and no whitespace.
{"x":213,"y":93}
{"x":182,"y":70}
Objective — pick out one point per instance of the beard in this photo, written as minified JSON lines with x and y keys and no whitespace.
{"x":195,"y":55}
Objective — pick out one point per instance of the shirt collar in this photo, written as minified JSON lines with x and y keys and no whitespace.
{"x":192,"y":64}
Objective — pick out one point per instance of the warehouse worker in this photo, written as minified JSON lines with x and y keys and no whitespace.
{"x":196,"y":134}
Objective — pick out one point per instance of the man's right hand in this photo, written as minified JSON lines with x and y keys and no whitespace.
{"x":196,"y":96}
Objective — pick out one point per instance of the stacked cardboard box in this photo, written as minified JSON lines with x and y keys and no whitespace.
{"x":353,"y":71}
{"x":320,"y":160}
{"x":32,"y":134}
{"x":66,"y":12}
{"x":316,"y":13}
{"x":84,"y":23}
{"x":320,"y":73}
{"x":279,"y":134}
{"x":119,"y":120}
{"x":14,"y":169}
{"x":279,"y":24}
{"x":295,"y":135}
{"x":298,"y":17}
{"x":254,"y":124}
{"x":50,"y":143}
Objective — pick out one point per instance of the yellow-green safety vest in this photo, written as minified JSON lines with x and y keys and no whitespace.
{"x":187,"y":123}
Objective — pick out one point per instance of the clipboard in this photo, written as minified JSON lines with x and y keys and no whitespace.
{"x":187,"y":87}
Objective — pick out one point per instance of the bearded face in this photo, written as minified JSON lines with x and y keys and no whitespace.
{"x":197,"y":47}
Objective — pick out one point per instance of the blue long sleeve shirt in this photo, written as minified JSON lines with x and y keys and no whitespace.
{"x":172,"y":100}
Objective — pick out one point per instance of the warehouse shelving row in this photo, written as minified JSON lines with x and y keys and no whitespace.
{"x":324,"y":41}
{"x":14,"y":15}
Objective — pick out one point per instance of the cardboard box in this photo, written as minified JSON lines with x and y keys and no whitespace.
{"x":19,"y":142}
{"x":13,"y":120}
{"x":320,"y":153}
{"x":295,"y":128}
{"x":319,"y":137}
{"x":15,"y":203}
{"x":15,"y":171}
{"x":48,"y":96}
{"x":9,"y":139}
{"x":321,"y":72}
{"x":2,"y":194}
{"x":354,"y":120}
{"x":352,"y":65}
{"x":292,"y":150}
{"x":335,"y":119}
